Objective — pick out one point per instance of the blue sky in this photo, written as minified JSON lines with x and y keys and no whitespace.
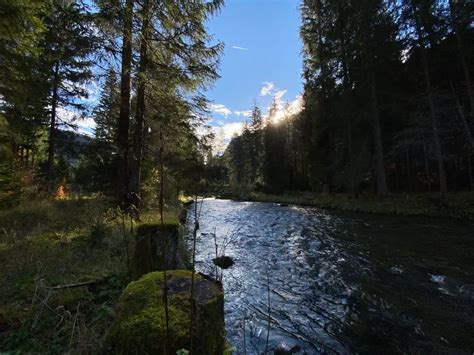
{"x":261,"y":60}
{"x":262,"y":51}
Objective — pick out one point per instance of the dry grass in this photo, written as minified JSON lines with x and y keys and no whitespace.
{"x":47,"y":242}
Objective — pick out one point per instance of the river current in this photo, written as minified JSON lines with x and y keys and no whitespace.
{"x":339,"y":283}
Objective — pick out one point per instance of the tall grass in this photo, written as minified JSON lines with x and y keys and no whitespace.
{"x":46,"y":244}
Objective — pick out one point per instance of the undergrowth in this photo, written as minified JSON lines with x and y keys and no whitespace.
{"x":64,"y":266}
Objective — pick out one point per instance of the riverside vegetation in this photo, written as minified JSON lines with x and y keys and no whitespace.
{"x":458,"y":205}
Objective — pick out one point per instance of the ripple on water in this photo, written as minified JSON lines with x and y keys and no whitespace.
{"x":327,"y":287}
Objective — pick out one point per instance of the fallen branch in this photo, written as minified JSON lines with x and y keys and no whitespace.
{"x":79,"y":284}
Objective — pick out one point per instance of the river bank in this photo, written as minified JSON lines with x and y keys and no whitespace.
{"x":459,"y":205}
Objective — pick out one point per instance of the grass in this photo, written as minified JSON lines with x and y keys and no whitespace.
{"x":47,"y":242}
{"x":458,"y":205}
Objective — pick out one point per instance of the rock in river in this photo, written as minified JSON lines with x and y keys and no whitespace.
{"x":224,"y":262}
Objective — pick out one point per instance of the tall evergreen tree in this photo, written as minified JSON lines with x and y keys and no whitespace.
{"x":68,"y":43}
{"x":173,"y":39}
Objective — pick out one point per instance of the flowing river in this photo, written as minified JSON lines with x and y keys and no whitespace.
{"x":339,"y":282}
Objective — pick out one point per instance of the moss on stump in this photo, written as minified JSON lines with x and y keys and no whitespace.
{"x":139,"y":326}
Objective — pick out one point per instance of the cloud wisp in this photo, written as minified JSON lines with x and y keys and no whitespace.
{"x":69,"y":118}
{"x":245,"y":113}
{"x":219,"y":109}
{"x":267,"y":88}
{"x":240,"y":48}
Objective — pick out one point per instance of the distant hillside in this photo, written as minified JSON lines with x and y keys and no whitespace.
{"x":72,"y":145}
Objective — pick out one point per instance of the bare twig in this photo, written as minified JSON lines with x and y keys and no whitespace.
{"x":33,"y":298}
{"x":79,"y":284}
{"x":193,"y":268}
{"x":245,"y":341}
{"x":228,"y":239}
{"x":125,"y":242}
{"x":74,"y":326}
{"x":44,"y":303}
{"x":165,"y":243}
{"x":217,"y":255}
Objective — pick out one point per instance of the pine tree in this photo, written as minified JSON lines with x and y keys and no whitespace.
{"x":68,"y":44}
{"x":125,"y":93}
{"x":106,"y":112}
{"x":421,"y":14}
{"x":174,"y":40}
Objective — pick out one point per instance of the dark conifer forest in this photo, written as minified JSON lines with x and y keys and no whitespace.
{"x":388,"y":104}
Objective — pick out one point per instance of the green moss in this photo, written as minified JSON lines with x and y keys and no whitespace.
{"x":140,"y":322}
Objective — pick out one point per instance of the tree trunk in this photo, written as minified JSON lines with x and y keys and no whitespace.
{"x":124,"y":116}
{"x":463,"y":118}
{"x":137,"y":151}
{"x":427,"y":165}
{"x":52,"y":129}
{"x":379,"y":156}
{"x":467,"y":75}
{"x":407,"y":160}
{"x":348,"y":113}
{"x":434,"y":119}
{"x":469,"y":170}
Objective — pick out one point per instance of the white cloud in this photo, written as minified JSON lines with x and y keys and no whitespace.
{"x":65,"y":114}
{"x":229,"y":129}
{"x":267,"y":88}
{"x":246,"y":113}
{"x":85,"y":125}
{"x":240,"y":48}
{"x":296,"y":106}
{"x":279,"y":94}
{"x":222,"y":134}
{"x":220,"y":109}
{"x":287,"y":109}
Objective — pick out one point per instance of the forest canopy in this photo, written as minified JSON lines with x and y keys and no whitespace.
{"x":135,"y":69}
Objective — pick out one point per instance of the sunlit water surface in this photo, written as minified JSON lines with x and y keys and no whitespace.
{"x":340,"y":283}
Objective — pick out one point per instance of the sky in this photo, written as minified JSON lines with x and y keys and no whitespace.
{"x":261,"y":60}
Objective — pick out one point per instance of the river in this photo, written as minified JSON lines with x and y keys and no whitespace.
{"x":340,"y":282}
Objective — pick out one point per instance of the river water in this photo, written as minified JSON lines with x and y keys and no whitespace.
{"x":338,"y":282}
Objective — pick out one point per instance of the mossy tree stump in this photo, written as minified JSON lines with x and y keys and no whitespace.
{"x":156,"y":249}
{"x":139,"y":326}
